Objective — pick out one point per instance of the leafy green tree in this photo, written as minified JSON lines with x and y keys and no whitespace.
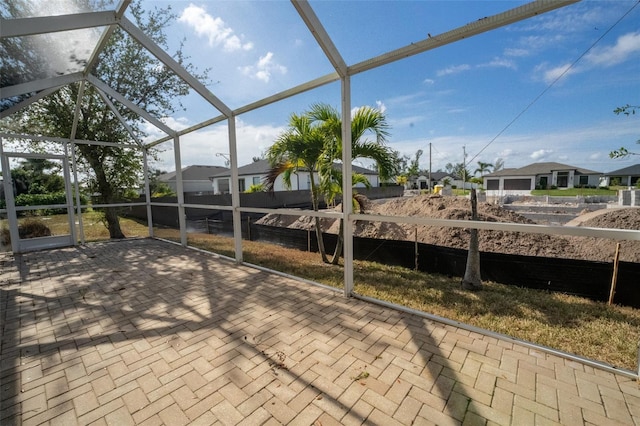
{"x":37,"y":176}
{"x":407,"y":167}
{"x":313,"y":143}
{"x":498,"y":165}
{"x":128,"y":68}
{"x":458,"y":170}
{"x":158,"y":188}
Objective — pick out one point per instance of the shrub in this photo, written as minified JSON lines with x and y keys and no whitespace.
{"x":32,"y":228}
{"x":5,"y":238}
{"x":44,"y":200}
{"x":255,"y":188}
{"x":29,"y":228}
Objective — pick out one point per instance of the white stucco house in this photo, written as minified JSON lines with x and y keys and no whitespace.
{"x":525,"y":179}
{"x":627,"y":176}
{"x":437,"y":178}
{"x":195,"y":179}
{"x":254,"y":174}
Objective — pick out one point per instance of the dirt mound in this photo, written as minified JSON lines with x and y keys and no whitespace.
{"x":604,"y":249}
{"x":490,"y":241}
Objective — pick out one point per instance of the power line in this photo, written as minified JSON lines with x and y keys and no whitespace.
{"x":504,"y":129}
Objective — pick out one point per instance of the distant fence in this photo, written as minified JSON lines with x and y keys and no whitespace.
{"x":551,"y":199}
{"x":168,"y":216}
{"x":578,"y":277}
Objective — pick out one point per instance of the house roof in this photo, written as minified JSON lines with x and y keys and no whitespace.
{"x":195,"y":172}
{"x":626,"y":171}
{"x":542,"y":169}
{"x":437,"y":176}
{"x":440,"y":175}
{"x":261,"y":167}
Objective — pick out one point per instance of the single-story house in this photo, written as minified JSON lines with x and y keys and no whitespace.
{"x":627,"y":176}
{"x":521,"y":181}
{"x":256,"y":172}
{"x":195,"y":179}
{"x":437,"y":178}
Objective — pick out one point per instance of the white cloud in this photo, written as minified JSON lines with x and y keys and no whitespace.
{"x":540,"y":154}
{"x":381,"y":106}
{"x":213,"y":28}
{"x":455,"y":69}
{"x":406,"y":121}
{"x":264,"y":68}
{"x":540,"y":42}
{"x":499,"y":63}
{"x":200,"y":147}
{"x":516,"y":52}
{"x":567,"y":20}
{"x":550,"y":75}
{"x":428,"y":81}
{"x":595,"y":156}
{"x":626,"y":46}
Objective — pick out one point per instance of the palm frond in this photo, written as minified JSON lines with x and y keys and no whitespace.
{"x":381,"y":154}
{"x":284,"y":168}
{"x":367,"y":119}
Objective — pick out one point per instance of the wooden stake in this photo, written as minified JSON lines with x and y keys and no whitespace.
{"x":614,"y":280}
{"x":416,"y":245}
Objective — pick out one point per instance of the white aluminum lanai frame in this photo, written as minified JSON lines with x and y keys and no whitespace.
{"x":343,"y":73}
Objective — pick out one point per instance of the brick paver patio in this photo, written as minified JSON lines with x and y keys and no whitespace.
{"x":145,"y":332}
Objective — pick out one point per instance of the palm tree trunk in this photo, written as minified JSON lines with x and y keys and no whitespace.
{"x":339,"y":244}
{"x":472,"y":280}
{"x":316,"y":207}
{"x":321,"y":249}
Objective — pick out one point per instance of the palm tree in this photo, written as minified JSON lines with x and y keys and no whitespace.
{"x":316,"y":138}
{"x":300,"y":147}
{"x":483,"y":168}
{"x":365,"y":121}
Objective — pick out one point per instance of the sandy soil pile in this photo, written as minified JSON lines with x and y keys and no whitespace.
{"x":490,"y":241}
{"x":604,"y":249}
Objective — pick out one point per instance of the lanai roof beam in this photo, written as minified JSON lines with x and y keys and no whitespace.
{"x":480,"y":26}
{"x":20,"y":27}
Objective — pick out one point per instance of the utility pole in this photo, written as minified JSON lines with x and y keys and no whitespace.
{"x":429,"y":186}
{"x":464,"y":167}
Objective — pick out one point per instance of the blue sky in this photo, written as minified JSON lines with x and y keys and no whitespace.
{"x":464,"y":94}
